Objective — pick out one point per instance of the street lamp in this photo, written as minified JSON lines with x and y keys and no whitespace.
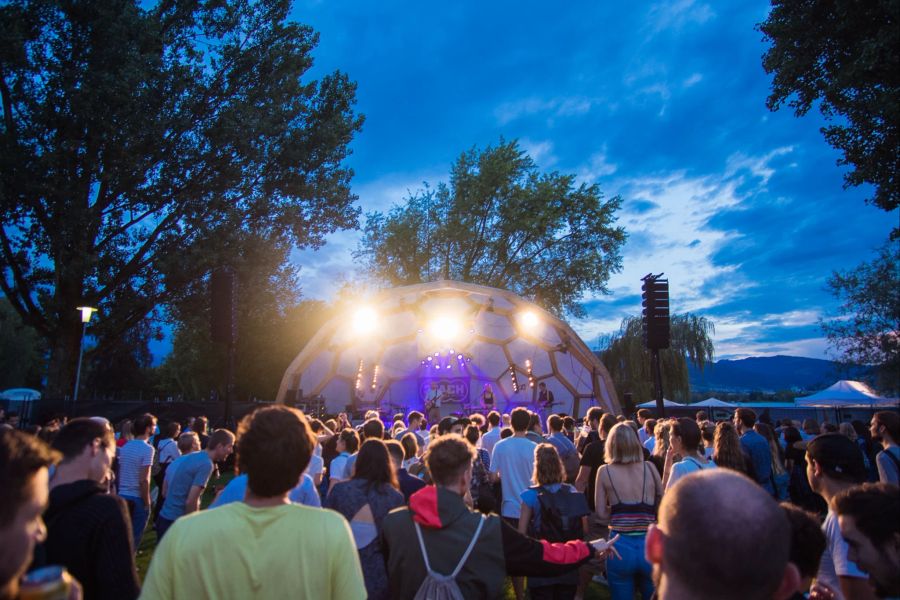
{"x":86,"y":313}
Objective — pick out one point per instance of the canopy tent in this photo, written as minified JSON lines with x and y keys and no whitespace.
{"x":713,"y":403}
{"x":666,"y":402}
{"x":20,"y":395}
{"x":845,"y":393}
{"x":386,"y":353}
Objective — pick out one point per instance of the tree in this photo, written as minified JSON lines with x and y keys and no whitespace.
{"x":866,"y":329}
{"x":22,"y":353}
{"x":503,"y":224}
{"x":843,"y":55}
{"x":138,"y":140}
{"x":628,"y":362}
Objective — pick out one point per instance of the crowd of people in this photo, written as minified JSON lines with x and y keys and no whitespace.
{"x":665,"y":508}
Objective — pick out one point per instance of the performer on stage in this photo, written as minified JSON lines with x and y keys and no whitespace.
{"x":433,"y":403}
{"x":545,"y":401}
{"x":487,"y":397}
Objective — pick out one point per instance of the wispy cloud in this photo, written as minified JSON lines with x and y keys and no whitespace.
{"x":540,"y":152}
{"x":549,"y":107}
{"x":671,"y":222}
{"x":677,"y":15}
{"x":597,"y":167}
{"x":693,"y":80}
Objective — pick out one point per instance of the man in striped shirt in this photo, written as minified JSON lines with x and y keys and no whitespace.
{"x":135,"y":460}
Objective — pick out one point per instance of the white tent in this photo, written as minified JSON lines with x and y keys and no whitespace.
{"x":20,"y":395}
{"x":386,"y":352}
{"x":845,"y":393}
{"x":714,"y":403}
{"x":666,"y":403}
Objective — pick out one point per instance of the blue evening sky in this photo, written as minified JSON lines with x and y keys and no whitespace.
{"x":663,"y":104}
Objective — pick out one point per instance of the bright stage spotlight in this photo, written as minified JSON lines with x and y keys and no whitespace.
{"x":529,"y":319}
{"x":445,"y":328}
{"x":365,"y":320}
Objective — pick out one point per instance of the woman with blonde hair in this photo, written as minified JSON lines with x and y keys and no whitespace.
{"x":627,"y":495}
{"x":661,"y":445}
{"x":549,"y":490}
{"x":727,"y":451}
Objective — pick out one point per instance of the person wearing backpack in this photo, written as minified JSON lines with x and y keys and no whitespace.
{"x":568,"y":453}
{"x":554,"y":511}
{"x":627,"y":496}
{"x":439,"y":548}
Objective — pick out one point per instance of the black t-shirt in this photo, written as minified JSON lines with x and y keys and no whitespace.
{"x":592,"y":436}
{"x":593,"y":457}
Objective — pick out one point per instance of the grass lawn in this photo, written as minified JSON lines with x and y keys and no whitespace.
{"x":148,"y":543}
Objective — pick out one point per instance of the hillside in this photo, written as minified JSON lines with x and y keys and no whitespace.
{"x":769,"y":374}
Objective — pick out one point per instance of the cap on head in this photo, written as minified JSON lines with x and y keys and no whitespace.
{"x":838,"y":456}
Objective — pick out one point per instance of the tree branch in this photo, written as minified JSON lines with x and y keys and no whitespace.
{"x":20,"y":295}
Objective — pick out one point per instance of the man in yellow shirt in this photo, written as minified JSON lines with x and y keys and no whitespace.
{"x":264,"y":547}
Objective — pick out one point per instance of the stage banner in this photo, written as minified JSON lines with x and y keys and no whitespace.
{"x":457,"y":388}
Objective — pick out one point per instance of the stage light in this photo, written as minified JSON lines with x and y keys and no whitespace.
{"x":429,"y":359}
{"x":444,"y":328}
{"x":459,"y":357}
{"x":365,"y":320}
{"x":529,"y":319}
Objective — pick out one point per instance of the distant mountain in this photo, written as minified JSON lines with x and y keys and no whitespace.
{"x":770,"y":374}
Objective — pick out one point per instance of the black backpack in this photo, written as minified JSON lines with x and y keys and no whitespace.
{"x":561,"y":513}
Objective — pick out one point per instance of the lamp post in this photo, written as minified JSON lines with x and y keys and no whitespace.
{"x":86,"y":313}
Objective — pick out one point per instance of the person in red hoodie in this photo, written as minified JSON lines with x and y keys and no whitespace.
{"x":448,"y":526}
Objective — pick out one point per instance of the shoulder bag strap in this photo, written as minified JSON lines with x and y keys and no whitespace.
{"x":893,"y":458}
{"x":465,"y":556}
{"x":422,"y":547}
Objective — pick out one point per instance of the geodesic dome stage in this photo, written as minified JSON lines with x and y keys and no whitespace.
{"x":386,"y":354}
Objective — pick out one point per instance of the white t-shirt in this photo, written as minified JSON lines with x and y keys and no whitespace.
{"x":513,"y":458}
{"x":834,"y":562}
{"x":686,"y":466}
{"x":168,"y":451}
{"x":132,"y":456}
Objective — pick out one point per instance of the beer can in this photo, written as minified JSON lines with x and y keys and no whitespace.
{"x":47,"y":583}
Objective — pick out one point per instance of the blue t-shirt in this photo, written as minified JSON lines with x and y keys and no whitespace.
{"x":183,"y":474}
{"x":758,"y":448}
{"x":564,"y":445}
{"x":304,"y":493}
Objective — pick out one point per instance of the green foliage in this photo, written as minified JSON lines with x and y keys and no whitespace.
{"x":503,"y":224}
{"x":629,"y":365}
{"x":139,"y":141}
{"x":866,"y":329}
{"x":22,"y":353}
{"x":845,"y":56}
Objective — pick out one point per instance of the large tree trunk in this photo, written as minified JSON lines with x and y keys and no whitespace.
{"x":64,"y":348}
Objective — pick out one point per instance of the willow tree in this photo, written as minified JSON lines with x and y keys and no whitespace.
{"x":137,"y":137}
{"x":500,"y":222}
{"x":629,"y":365}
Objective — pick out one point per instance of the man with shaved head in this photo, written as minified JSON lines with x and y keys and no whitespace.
{"x":747,"y":530}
